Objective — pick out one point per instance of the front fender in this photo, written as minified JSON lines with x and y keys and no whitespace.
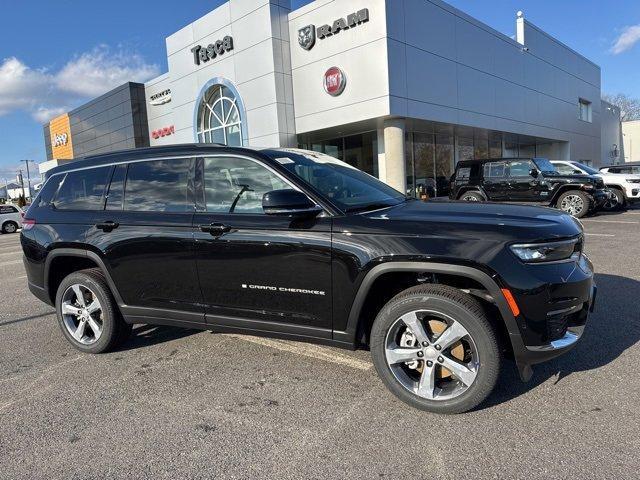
{"x":489,"y":283}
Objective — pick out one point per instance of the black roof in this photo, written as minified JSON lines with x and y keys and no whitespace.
{"x":486,"y":160}
{"x":149,"y":152}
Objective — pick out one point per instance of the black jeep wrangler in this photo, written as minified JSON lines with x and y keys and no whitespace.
{"x":527,"y":180}
{"x":299,"y":245}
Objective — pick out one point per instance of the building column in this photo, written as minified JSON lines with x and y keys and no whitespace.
{"x":391,"y":154}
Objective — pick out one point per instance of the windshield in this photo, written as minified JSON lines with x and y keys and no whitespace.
{"x":545,"y":165}
{"x":347,"y":187}
{"x":586,"y":168}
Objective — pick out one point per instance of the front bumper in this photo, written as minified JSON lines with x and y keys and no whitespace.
{"x":553,"y":319}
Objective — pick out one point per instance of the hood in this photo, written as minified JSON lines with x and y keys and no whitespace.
{"x":578,"y":178}
{"x":500,"y":222}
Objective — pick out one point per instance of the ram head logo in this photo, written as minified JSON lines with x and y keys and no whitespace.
{"x":307,"y":37}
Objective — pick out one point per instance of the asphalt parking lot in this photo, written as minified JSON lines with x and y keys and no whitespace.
{"x":180,"y":404}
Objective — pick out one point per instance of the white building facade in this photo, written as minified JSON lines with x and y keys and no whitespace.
{"x":402,"y":89}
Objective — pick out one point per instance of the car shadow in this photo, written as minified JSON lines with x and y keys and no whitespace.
{"x":148,"y":335}
{"x":613,"y":328}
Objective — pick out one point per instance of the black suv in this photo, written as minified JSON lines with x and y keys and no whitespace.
{"x":299,"y":245}
{"x":527,"y":180}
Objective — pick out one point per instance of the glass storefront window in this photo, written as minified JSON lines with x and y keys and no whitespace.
{"x":444,"y":166}
{"x":465,"y":149}
{"x":481,"y":148}
{"x":429,"y":164}
{"x":360,"y":150}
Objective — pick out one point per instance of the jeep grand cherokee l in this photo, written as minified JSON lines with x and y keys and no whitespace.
{"x":532,"y":180}
{"x":299,"y":245}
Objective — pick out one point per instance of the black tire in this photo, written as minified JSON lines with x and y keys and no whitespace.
{"x":618,"y":204}
{"x":9,"y":227}
{"x":587,"y":204}
{"x":114,"y":328}
{"x":472,"y":197}
{"x":464,"y":309}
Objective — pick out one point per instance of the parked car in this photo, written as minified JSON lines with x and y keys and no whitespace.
{"x":299,"y":245}
{"x":10,"y":218}
{"x":630,"y":167}
{"x":624,"y":187}
{"x":527,"y":180}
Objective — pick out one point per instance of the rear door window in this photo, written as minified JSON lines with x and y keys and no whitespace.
{"x":159,"y":186}
{"x":116,"y":188}
{"x":82,"y":190}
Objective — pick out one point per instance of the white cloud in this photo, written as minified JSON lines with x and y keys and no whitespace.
{"x":45,"y":93}
{"x":96,"y":72}
{"x":627,"y":39}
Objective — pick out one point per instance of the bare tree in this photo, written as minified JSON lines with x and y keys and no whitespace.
{"x":629,"y":107}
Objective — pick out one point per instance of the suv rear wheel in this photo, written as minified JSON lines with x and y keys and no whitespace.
{"x":434,"y":348}
{"x":574,"y":202}
{"x":87,"y":312}
{"x":472,"y":197}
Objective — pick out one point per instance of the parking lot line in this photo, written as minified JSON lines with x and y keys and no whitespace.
{"x":307,"y":350}
{"x":609,"y":221}
{"x":13,"y":252}
{"x":600,"y":234}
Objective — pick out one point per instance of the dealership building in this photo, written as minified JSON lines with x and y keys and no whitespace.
{"x":402,"y":89}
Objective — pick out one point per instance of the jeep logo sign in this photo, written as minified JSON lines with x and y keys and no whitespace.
{"x":307,"y":35}
{"x":211,"y":51}
{"x":60,"y":139}
{"x":334,"y":81}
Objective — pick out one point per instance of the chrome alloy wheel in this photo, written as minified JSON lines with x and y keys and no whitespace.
{"x":82,"y":314}
{"x":572,"y":204}
{"x":10,"y":228}
{"x":431,"y":355}
{"x":470,"y":198}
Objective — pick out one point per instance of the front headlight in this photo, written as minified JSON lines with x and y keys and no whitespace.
{"x":548,"y":252}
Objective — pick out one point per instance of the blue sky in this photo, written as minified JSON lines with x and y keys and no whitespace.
{"x":54,"y":56}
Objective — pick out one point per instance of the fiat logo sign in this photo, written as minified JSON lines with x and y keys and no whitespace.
{"x":334,"y":81}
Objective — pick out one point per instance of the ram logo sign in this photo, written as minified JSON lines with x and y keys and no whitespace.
{"x":307,"y":35}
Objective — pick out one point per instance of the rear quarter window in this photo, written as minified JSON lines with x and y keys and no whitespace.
{"x":82,"y":190}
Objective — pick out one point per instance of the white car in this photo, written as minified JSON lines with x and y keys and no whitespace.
{"x":625,"y":187}
{"x":10,"y":218}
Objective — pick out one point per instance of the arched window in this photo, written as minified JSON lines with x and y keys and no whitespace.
{"x":219,"y":119}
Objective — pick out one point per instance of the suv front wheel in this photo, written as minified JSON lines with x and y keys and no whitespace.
{"x":574,"y":202}
{"x":434,"y":348}
{"x":87,"y":313}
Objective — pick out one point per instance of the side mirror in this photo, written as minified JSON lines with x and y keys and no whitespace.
{"x":534,"y":173}
{"x":289,"y":203}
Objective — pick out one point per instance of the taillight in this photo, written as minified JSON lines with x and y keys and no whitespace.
{"x":28,"y":224}
{"x":22,"y":215}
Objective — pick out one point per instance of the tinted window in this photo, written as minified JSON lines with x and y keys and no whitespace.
{"x":349,"y":188}
{"x":48,"y":191}
{"x":495,"y":170}
{"x":116,"y":188}
{"x":82,"y":190}
{"x":565,"y":169}
{"x":237,"y":185}
{"x":158,"y":186}
{"x":585,"y":168}
{"x":463,"y":173}
{"x":520,"y":168}
{"x":7,"y":209}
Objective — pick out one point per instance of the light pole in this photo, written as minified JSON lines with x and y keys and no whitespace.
{"x":28,"y":178}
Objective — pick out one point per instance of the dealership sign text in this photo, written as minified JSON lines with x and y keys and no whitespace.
{"x":60,"y":139}
{"x":204,"y":54}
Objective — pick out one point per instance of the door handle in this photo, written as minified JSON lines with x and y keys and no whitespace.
{"x":107,"y":226}
{"x":215,"y":229}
